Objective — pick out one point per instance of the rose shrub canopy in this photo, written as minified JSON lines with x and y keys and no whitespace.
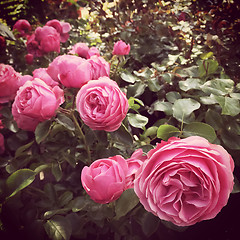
{"x":119,"y":119}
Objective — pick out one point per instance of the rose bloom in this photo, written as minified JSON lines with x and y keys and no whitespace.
{"x":121,"y":48}
{"x":99,"y":67}
{"x":134,"y":163}
{"x":43,"y":75}
{"x":33,"y":48}
{"x":185,"y":181}
{"x":36,"y":102}
{"x":104,"y":179}
{"x":62,"y":28}
{"x":9,"y":83}
{"x":2,"y":146}
{"x":48,"y":39}
{"x":82,"y":50}
{"x":71,"y":71}
{"x":102,"y":105}
{"x":23,"y":27}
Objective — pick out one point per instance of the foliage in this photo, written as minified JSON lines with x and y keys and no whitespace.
{"x":180,"y":79}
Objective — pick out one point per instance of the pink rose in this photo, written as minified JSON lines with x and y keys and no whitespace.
{"x":121,"y":48}
{"x":104,"y":179}
{"x":100,"y":67}
{"x":71,"y":71}
{"x":2,"y":146}
{"x":185,"y":181}
{"x":134,"y":163}
{"x":33,"y":47}
{"x":35,"y":102}
{"x":43,"y":75}
{"x":81,"y":49}
{"x":62,"y":28}
{"x":23,"y":27}
{"x":102,"y":105}
{"x":9,"y":83}
{"x":48,"y":39}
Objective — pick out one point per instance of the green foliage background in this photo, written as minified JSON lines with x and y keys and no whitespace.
{"x":181,"y":78}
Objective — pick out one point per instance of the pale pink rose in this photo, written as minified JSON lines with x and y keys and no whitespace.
{"x":121,"y":48}
{"x":36,"y":102}
{"x":62,"y":28}
{"x":9,"y":83}
{"x":81,"y":49}
{"x":134,"y":163}
{"x":48,"y":39}
{"x":23,"y":27}
{"x":185,"y":181}
{"x":102,"y":105}
{"x":100,"y":67}
{"x":43,"y":75}
{"x":2,"y":146}
{"x":70,"y":70}
{"x":104,"y":179}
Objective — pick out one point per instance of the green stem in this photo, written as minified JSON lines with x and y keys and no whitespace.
{"x":82,"y":136}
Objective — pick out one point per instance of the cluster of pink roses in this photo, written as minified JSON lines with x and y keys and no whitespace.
{"x":183,"y":181}
{"x":100,"y":102}
{"x":45,"y":39}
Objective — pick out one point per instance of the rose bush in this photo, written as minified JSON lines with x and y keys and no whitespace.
{"x":185,"y":181}
{"x":35,"y":102}
{"x":102,"y":105}
{"x":104,"y":179}
{"x":9,"y":83}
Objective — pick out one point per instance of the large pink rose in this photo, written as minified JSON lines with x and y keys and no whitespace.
{"x":104,"y":179}
{"x":9,"y":83}
{"x":134,"y":163}
{"x":36,"y":102}
{"x":48,"y":39}
{"x":185,"y":181}
{"x":100,"y":67}
{"x":71,"y":71}
{"x":121,"y":48}
{"x":23,"y":27}
{"x":43,"y":75}
{"x":62,"y":28}
{"x":102,"y":105}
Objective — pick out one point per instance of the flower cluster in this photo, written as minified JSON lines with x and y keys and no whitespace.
{"x":183,"y":181}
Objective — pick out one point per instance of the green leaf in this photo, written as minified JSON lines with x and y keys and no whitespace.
{"x":232,"y":141}
{"x":127,"y":201}
{"x":65,"y":121}
{"x":214,"y":119}
{"x":137,"y":120}
{"x":65,"y":198}
{"x":21,"y":149}
{"x":19,"y":180}
{"x":207,"y":67}
{"x":150,"y":224}
{"x":150,"y":132}
{"x":206,"y":55}
{"x":122,"y":135}
{"x":165,"y":107}
{"x":153,"y":85}
{"x":218,"y":86}
{"x":166,"y":131}
{"x":5,"y":32}
{"x":136,"y":90}
{"x":128,"y":77}
{"x":199,"y":129}
{"x":58,"y":228}
{"x":173,"y":96}
{"x":190,"y":83}
{"x":57,"y":171}
{"x":42,"y":131}
{"x":78,"y":203}
{"x":183,"y":108}
{"x":230,"y":106}
{"x":51,"y":213}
